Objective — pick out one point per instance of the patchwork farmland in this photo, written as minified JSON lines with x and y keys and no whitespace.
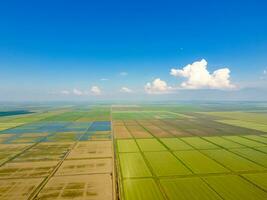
{"x":133,"y":152}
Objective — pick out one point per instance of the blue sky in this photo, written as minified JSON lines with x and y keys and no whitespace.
{"x":77,"y":50}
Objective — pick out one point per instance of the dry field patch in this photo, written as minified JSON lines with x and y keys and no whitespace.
{"x":85,"y":187}
{"x":45,"y":151}
{"x":91,"y":149}
{"x":9,"y":150}
{"x":139,"y":132}
{"x":18,"y":189}
{"x":117,"y":122}
{"x":87,"y":166}
{"x":121,"y":132}
{"x":27,"y":169}
{"x":157,"y":132}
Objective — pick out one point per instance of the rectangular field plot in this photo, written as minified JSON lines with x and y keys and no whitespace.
{"x":262,"y":149}
{"x":157,"y":132}
{"x":175,"y":144}
{"x":10,"y":150}
{"x":45,"y":151}
{"x":27,"y":138}
{"x":188,"y":189}
{"x":258,"y":179}
{"x":244,"y":141}
{"x":257,"y":138}
{"x":220,"y":141}
{"x":95,"y":114}
{"x":77,"y":127}
{"x":199,"y":143}
{"x":133,"y":165}
{"x":253,"y":155}
{"x":143,"y":189}
{"x":132,"y":115}
{"x":130,"y":123}
{"x":121,"y":132}
{"x":86,"y":187}
{"x":231,"y":187}
{"x":150,"y":145}
{"x":139,"y":132}
{"x":100,"y":126}
{"x":199,"y":163}
{"x":86,"y":166}
{"x":91,"y":149}
{"x":144,"y":122}
{"x":40,"y":127}
{"x":13,"y":147}
{"x":27,"y":169}
{"x":179,"y":133}
{"x":232,"y":161}
{"x":117,"y":123}
{"x":127,"y":145}
{"x":18,"y":189}
{"x":202,"y":131}
{"x":64,"y":137}
{"x":244,"y":116}
{"x":165,"y":164}
{"x":64,"y":117}
{"x":246,"y":124}
{"x":98,"y":135}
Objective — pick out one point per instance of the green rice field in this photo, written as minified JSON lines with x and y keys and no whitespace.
{"x":133,"y":152}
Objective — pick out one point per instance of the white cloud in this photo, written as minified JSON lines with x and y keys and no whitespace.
{"x":95,"y":90}
{"x":265,"y":72}
{"x":123,"y":73}
{"x":199,"y":77}
{"x":126,"y":90}
{"x":104,"y":79}
{"x":157,"y":87}
{"x":65,"y":92}
{"x":77,"y":92}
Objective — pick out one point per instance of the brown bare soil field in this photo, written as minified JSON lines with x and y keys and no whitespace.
{"x":121,"y":132}
{"x":118,"y":122}
{"x":27,"y":169}
{"x":85,"y":187}
{"x":86,"y":166}
{"x":9,"y":150}
{"x":157,"y":132}
{"x":91,"y":149}
{"x":18,"y":189}
{"x":130,"y":123}
{"x":139,"y":132}
{"x":178,"y":133}
{"x":144,"y":122}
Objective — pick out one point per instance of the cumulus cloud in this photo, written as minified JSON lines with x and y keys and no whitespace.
{"x":77,"y":92}
{"x":123,"y":73}
{"x":199,"y":77}
{"x":65,"y":92}
{"x":95,"y":90}
{"x":157,"y":87}
{"x":126,"y":90}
